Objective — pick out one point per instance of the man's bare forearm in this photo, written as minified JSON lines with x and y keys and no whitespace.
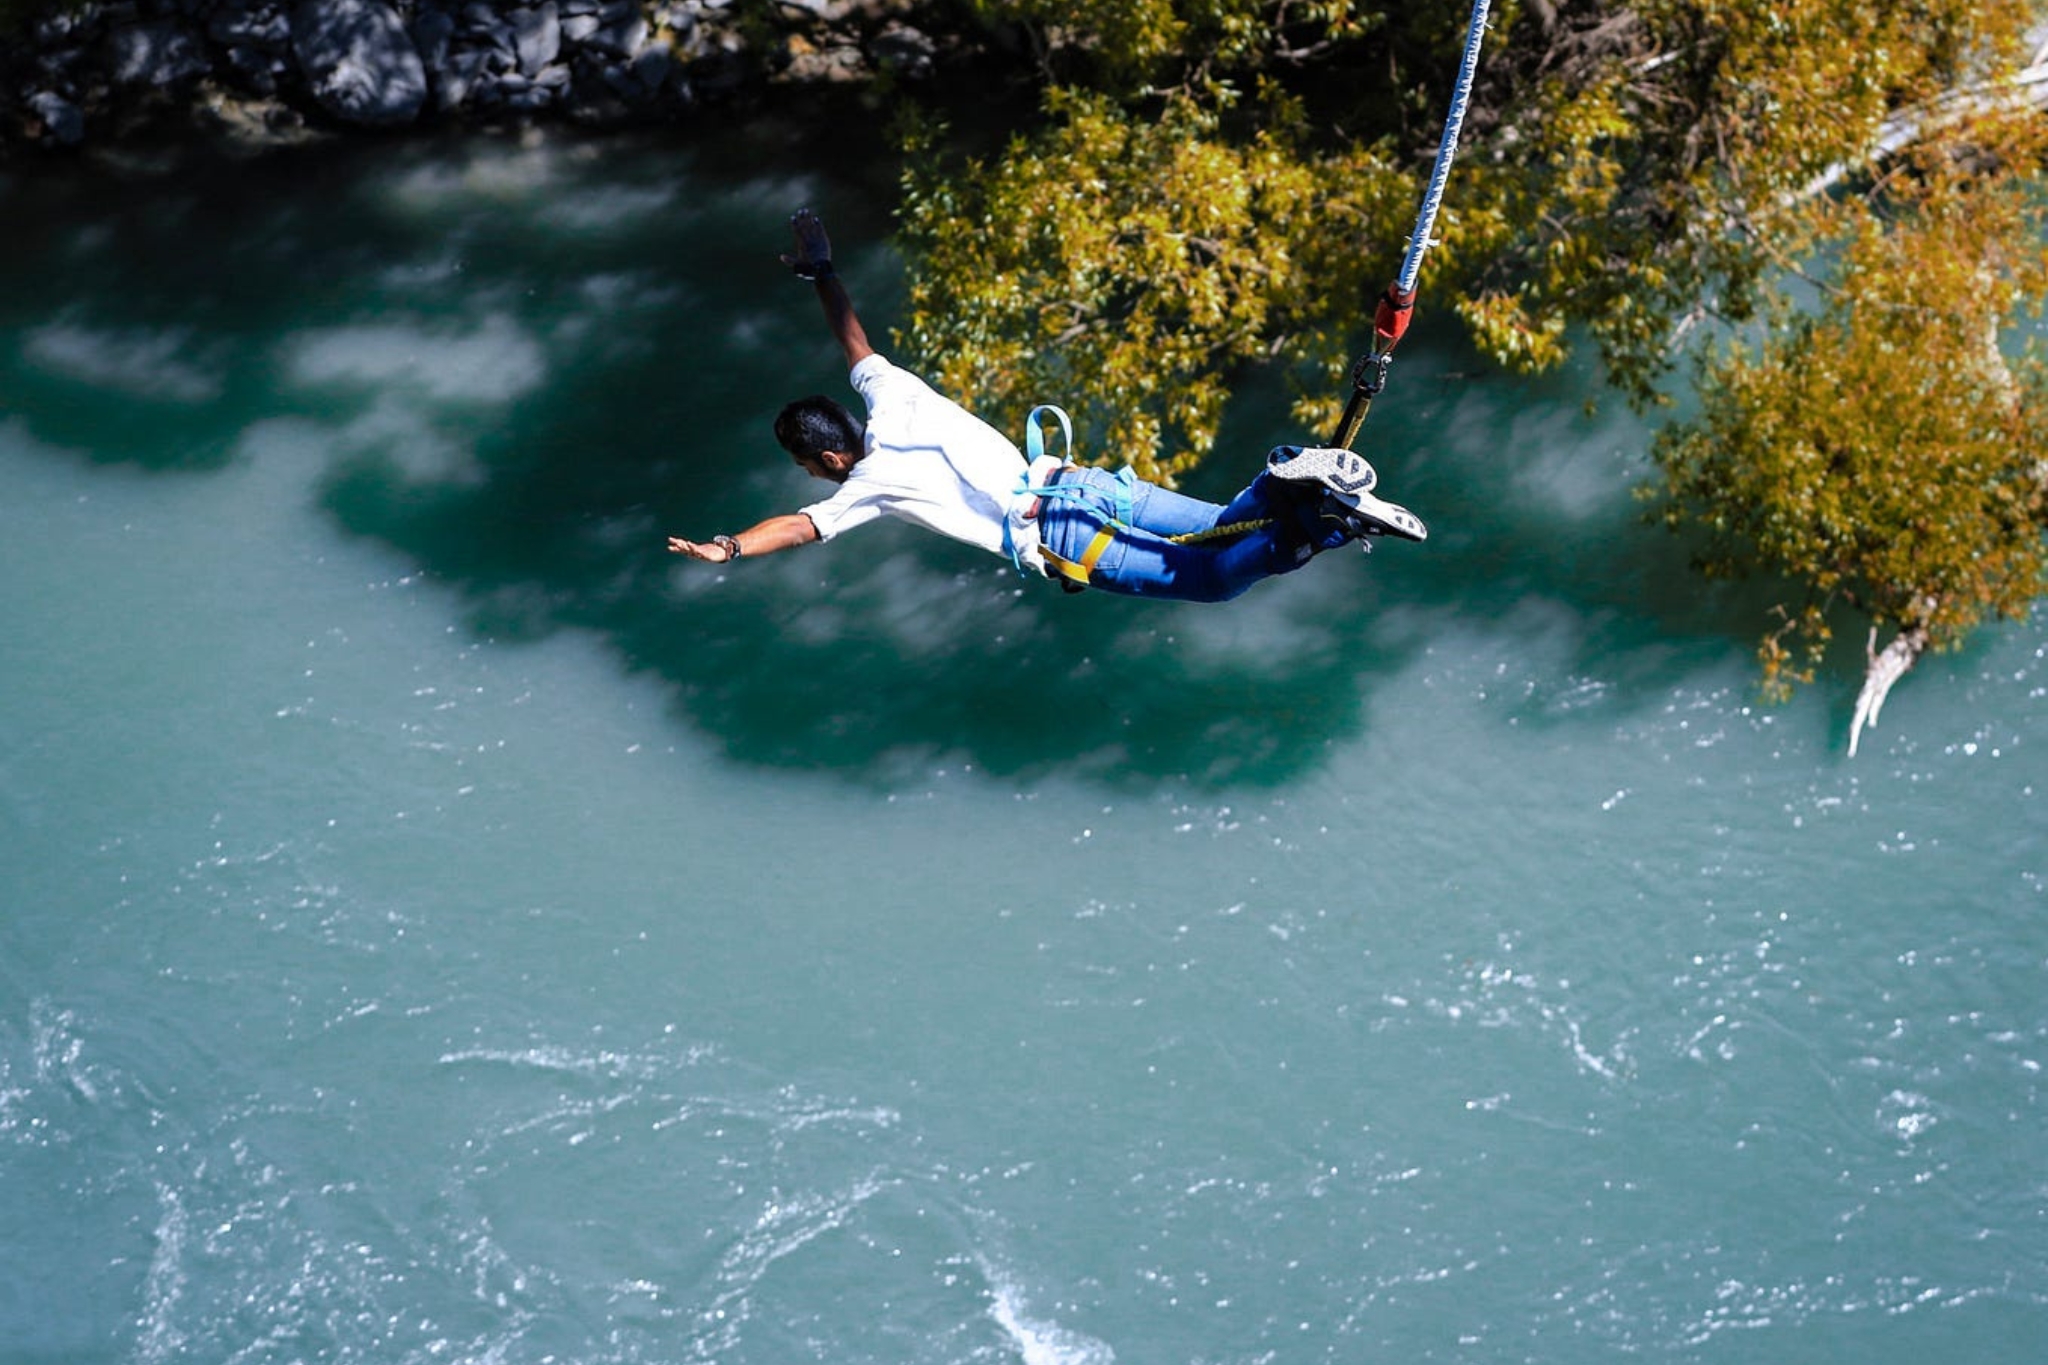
{"x":784,"y":532}
{"x":844,"y":322}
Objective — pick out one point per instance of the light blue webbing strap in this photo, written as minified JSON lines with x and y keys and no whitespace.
{"x":1034,"y":434}
{"x":1034,"y":450}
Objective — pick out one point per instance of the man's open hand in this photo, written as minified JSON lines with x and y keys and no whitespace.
{"x":711,"y":554}
{"x":813,"y":254}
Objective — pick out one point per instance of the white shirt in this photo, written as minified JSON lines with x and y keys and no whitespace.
{"x":930,"y":461}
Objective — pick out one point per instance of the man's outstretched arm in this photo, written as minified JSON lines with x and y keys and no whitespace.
{"x":785,"y":532}
{"x":812,"y":260}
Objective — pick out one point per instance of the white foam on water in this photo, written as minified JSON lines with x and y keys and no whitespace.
{"x":783,"y":1227}
{"x":158,"y":1337}
{"x":1906,"y":1115}
{"x":50,"y":1085}
{"x":614,"y":1065}
{"x":1040,"y":1342}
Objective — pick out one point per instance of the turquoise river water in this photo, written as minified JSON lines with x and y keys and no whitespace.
{"x":436,"y":925}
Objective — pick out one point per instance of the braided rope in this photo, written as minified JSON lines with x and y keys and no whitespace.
{"x":1425,"y":222}
{"x":1232,"y":528}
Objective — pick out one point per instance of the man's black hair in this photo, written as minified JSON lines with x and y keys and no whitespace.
{"x":811,"y":426}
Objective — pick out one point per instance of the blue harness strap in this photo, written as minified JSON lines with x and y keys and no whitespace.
{"x":1074,"y":571}
{"x":1034,"y":451}
{"x":1034,"y":433}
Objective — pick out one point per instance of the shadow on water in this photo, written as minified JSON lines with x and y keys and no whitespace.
{"x":525,"y":365}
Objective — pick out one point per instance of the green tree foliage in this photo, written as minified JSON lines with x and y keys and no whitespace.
{"x":1659,"y":164}
{"x":1882,"y":449}
{"x":1840,"y":182}
{"x":1139,"y":44}
{"x":1122,"y":265}
{"x":1180,"y":212}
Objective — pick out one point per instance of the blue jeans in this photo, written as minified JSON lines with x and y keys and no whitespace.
{"x":1142,"y":562}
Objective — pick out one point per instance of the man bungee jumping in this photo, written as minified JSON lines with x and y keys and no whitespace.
{"x":924,"y":458}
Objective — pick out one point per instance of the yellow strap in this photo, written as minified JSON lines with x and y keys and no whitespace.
{"x":1065,"y":568}
{"x":1097,"y":548}
{"x":1082,"y":570}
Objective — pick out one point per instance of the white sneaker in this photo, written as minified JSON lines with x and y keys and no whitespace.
{"x":1340,"y":471}
{"x":1366,"y":515}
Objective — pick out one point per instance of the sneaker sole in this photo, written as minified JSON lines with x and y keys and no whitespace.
{"x":1375,"y":517}
{"x":1340,"y":471}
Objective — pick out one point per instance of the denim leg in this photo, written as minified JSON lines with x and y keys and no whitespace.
{"x":1164,"y":512}
{"x":1142,"y":565}
{"x":1141,"y":562}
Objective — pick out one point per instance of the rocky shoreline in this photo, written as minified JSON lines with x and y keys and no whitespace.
{"x":270,"y":71}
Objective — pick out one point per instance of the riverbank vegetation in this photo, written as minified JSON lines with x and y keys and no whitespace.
{"x":1828,"y":212}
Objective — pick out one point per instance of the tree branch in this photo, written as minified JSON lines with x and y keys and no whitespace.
{"x":1884,"y":669}
{"x":2025,"y":88}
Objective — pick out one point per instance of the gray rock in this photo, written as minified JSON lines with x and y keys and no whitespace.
{"x":840,"y":64}
{"x":159,"y":53}
{"x":537,"y":36}
{"x":261,"y":65}
{"x":254,"y":123}
{"x":479,"y":18}
{"x":359,"y":62}
{"x":822,"y":11}
{"x":60,"y":116}
{"x":61,"y":26}
{"x":653,"y":67}
{"x":58,"y":64}
{"x":647,"y":80}
{"x":457,"y":78}
{"x":624,"y":34}
{"x":493,"y":39}
{"x":238,"y":25}
{"x":905,"y":51}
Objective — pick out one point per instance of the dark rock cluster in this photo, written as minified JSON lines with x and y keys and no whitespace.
{"x":279,"y":69}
